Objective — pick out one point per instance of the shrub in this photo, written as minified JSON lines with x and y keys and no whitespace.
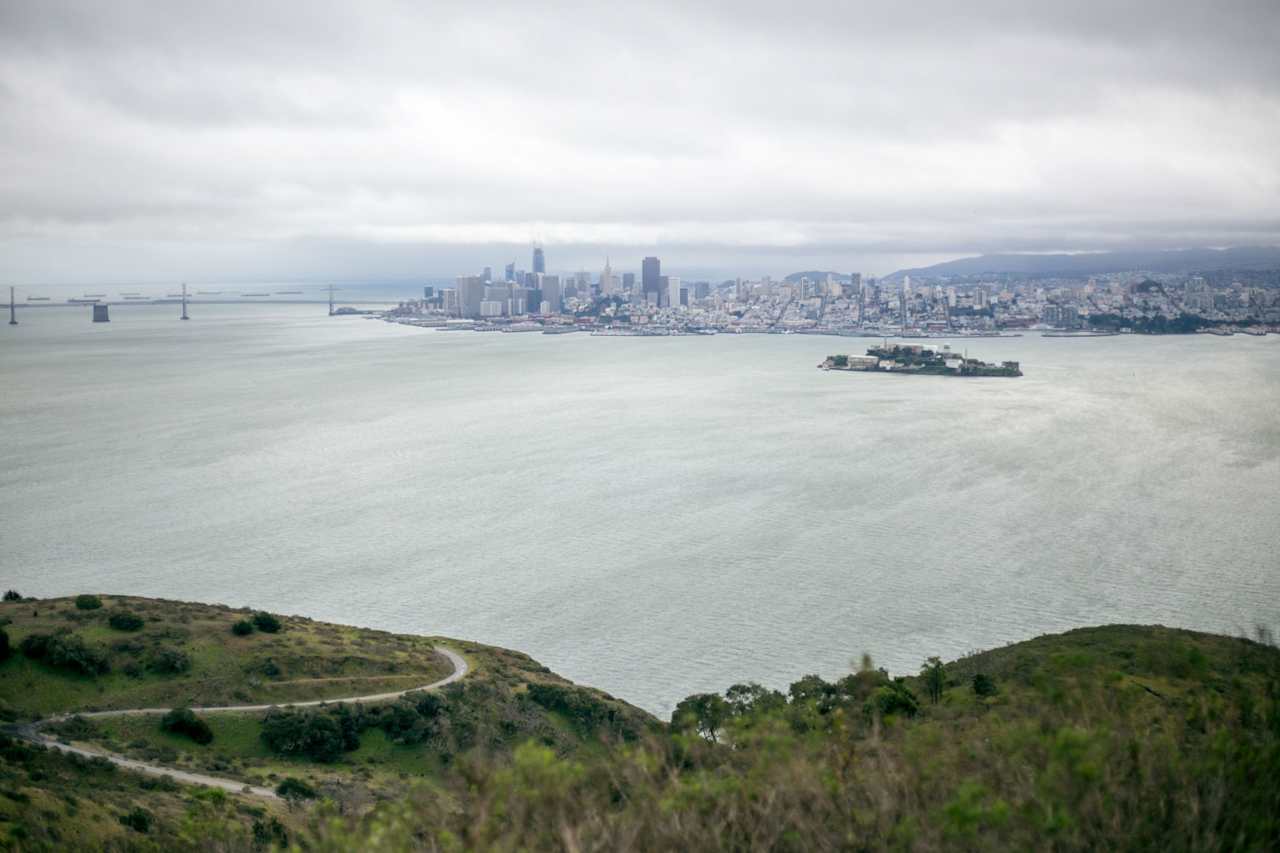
{"x":295,"y":789}
{"x":76,"y":728}
{"x":270,"y":834}
{"x":5,"y":651}
{"x":138,"y":819}
{"x":242,"y":628}
{"x":585,"y":709}
{"x":12,"y":595}
{"x":893,"y":698}
{"x":88,"y":602}
{"x":266,"y":622}
{"x":122,"y":620}
{"x":984,"y":686}
{"x":65,"y":651}
{"x":322,"y":734}
{"x":183,"y":721}
{"x":168,"y":661}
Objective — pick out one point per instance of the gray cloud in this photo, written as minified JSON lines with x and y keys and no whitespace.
{"x":751,"y":137}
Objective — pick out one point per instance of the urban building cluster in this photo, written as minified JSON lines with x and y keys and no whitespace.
{"x":653,"y":303}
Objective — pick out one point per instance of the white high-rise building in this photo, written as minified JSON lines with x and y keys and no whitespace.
{"x":673,"y":291}
{"x":608,"y":281}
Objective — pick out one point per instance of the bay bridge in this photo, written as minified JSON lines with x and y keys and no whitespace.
{"x":101,"y":304}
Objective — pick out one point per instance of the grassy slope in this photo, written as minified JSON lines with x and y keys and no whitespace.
{"x":50,"y":801}
{"x":1119,"y":737}
{"x":1143,"y":735}
{"x":306,"y":660}
{"x":488,"y":714}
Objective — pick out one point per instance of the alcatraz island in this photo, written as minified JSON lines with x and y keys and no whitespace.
{"x":919,"y":360}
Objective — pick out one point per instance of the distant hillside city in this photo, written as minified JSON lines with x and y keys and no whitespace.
{"x":652,"y":303}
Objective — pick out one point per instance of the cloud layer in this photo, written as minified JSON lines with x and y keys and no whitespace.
{"x":139,"y":139}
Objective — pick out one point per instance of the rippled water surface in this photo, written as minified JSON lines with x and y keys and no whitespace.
{"x":653,"y":517}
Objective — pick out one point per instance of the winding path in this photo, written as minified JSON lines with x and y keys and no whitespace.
{"x":32,"y":731}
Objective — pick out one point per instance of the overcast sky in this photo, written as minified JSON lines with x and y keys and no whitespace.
{"x":268,"y":141}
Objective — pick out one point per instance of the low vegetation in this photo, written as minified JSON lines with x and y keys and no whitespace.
{"x":53,"y":801}
{"x":1119,"y":737}
{"x":183,"y":721}
{"x":123,"y":620}
{"x":184,"y":654}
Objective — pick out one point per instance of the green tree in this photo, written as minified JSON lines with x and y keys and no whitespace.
{"x":243,"y":628}
{"x":88,"y":602}
{"x":705,"y":713}
{"x":753,"y":698}
{"x":984,"y":686}
{"x":935,"y":678}
{"x":66,"y":651}
{"x":322,"y":734}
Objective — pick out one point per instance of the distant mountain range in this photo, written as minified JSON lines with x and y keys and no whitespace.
{"x":1098,"y":263}
{"x":817,"y":275}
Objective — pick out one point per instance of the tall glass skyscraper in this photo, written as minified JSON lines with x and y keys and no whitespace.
{"x":539,"y":261}
{"x":651,"y":276}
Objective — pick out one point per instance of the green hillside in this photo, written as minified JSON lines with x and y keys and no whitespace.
{"x":1117,"y":737}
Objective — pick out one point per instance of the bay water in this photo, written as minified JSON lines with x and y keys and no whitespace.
{"x":654,"y":517}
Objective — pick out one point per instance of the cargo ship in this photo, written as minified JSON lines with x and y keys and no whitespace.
{"x":919,"y":360}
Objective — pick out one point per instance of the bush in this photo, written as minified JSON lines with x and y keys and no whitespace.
{"x":242,"y":628}
{"x":168,"y":661}
{"x":270,"y":834}
{"x":65,"y":651}
{"x":295,"y":789}
{"x":138,"y":819}
{"x":183,"y":721}
{"x":984,"y":686}
{"x":88,"y":602}
{"x":5,"y":651}
{"x":266,"y":622}
{"x":585,"y":709}
{"x":12,"y":595}
{"x":322,"y":734}
{"x":893,"y":698}
{"x":122,"y":620}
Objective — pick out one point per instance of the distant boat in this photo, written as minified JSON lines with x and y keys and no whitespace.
{"x":137,"y":297}
{"x":255,"y":294}
{"x":37,"y":299}
{"x":288,"y":293}
{"x":208,"y":293}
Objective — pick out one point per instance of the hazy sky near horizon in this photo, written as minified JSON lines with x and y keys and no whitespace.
{"x":275,"y":140}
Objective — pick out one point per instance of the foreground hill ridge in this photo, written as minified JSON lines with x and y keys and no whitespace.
{"x":1116,"y":736}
